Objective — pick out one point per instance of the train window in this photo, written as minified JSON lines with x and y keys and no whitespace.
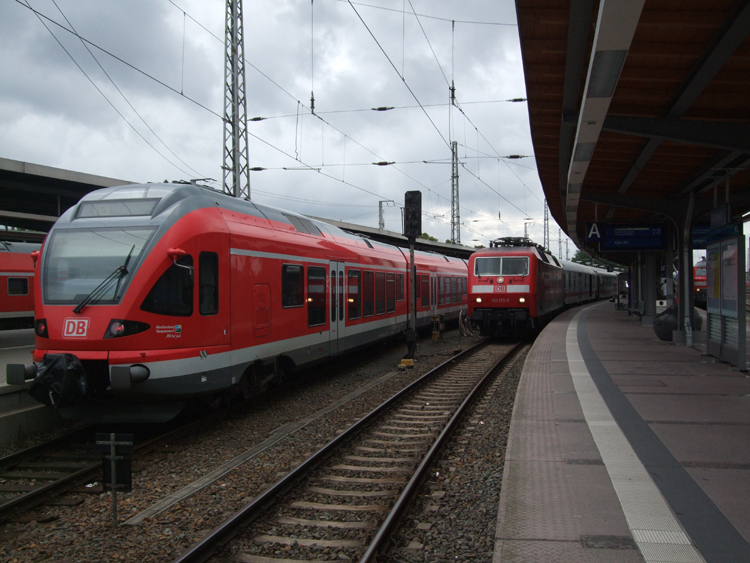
{"x":316,"y":296}
{"x":487,"y":266}
{"x":505,"y":266}
{"x":441,"y":290}
{"x":172,"y":294}
{"x":18,"y":286}
{"x":380,"y":293}
{"x":292,"y":285}
{"x":465,"y":286}
{"x":116,"y":208}
{"x":77,"y":262}
{"x":700,"y":271}
{"x":425,"y":291}
{"x":355,"y":301}
{"x":399,"y":287}
{"x":515,"y":266}
{"x":333,"y":294}
{"x":390,"y":293}
{"x":208,"y":283}
{"x":447,"y":290}
{"x":455,"y":291}
{"x":368,"y":294}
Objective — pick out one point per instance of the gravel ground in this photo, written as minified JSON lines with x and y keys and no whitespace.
{"x":455,"y":512}
{"x":84,"y":532}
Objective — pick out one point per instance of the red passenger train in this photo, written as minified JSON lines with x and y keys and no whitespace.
{"x":17,"y":285}
{"x":159,"y":294}
{"x":517,"y":285}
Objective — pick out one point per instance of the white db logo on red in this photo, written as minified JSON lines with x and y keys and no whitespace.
{"x":75,"y":328}
{"x":500,"y":289}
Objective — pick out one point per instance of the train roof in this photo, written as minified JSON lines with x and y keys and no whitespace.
{"x":518,"y":244}
{"x":160,"y":199}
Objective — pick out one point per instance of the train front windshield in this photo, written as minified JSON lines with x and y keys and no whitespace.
{"x":502,"y":266}
{"x":95,"y":264}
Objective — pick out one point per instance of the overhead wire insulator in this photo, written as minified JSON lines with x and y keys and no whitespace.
{"x":383,"y":163}
{"x":312,"y":103}
{"x":517,"y":100}
{"x":257,"y":169}
{"x":382,"y":108}
{"x":257,"y":118}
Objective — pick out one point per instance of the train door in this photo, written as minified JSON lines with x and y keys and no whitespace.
{"x":337,"y":330}
{"x":433,"y":294}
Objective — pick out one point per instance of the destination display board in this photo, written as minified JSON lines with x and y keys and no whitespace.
{"x":626,"y":237}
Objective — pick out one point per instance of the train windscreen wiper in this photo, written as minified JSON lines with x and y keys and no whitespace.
{"x":119,"y":273}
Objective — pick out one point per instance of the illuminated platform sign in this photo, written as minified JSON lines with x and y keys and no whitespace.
{"x":626,"y":237}
{"x":703,"y":234}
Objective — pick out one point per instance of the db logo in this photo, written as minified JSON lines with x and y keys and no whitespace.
{"x":500,"y":289}
{"x":75,"y":328}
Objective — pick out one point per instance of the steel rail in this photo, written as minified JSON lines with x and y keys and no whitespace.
{"x":224,"y":532}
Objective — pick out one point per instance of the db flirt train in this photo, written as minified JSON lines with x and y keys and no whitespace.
{"x":17,"y":285}
{"x":516,"y":285}
{"x":151,"y":296}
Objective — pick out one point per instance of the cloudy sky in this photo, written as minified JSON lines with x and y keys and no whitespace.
{"x":140,"y":99}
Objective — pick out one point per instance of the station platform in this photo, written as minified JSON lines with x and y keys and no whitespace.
{"x":625,"y":448}
{"x":20,"y":415}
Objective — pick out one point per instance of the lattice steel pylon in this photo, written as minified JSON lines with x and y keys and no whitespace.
{"x":455,"y":211}
{"x":236,"y":167}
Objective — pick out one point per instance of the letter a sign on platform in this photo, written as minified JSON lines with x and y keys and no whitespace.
{"x":592,"y":232}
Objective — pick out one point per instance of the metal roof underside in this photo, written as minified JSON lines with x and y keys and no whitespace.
{"x":635,"y":105}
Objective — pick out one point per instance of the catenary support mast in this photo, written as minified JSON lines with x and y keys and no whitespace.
{"x":236,"y":169}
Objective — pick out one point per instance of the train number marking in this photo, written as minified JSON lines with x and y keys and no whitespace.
{"x":75,"y":327}
{"x":500,"y":289}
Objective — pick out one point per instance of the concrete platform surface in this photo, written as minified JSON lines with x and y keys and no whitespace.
{"x":625,"y":448}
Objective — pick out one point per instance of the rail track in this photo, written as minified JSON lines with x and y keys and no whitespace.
{"x":40,"y":474}
{"x":345,"y":500}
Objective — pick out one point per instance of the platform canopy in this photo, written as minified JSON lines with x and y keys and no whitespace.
{"x":639,"y":110}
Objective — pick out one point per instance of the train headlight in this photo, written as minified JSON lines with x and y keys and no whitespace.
{"x":500,"y":280}
{"x":118,"y":328}
{"x":479,"y":299}
{"x":522,"y":300}
{"x":40,"y":328}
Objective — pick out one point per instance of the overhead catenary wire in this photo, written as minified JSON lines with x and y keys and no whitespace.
{"x":124,"y":97}
{"x":180,"y":92}
{"x":41,"y":18}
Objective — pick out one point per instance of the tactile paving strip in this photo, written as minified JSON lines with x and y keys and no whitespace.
{"x":657,"y":532}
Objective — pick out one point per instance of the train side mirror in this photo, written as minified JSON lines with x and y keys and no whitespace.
{"x":175,"y":254}
{"x":35,"y":257}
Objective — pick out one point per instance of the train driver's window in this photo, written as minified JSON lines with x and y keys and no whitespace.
{"x":316,"y":296}
{"x":18,"y":286}
{"x":292,"y":285}
{"x":172,"y":294}
{"x":208,"y":283}
{"x":355,"y":292}
{"x":515,"y":266}
{"x":425,"y":291}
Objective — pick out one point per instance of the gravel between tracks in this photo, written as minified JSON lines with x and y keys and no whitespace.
{"x":84,"y":532}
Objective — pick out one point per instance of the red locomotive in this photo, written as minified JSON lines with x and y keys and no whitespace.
{"x":517,"y":285}
{"x":17,"y":284}
{"x":153,"y":295}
